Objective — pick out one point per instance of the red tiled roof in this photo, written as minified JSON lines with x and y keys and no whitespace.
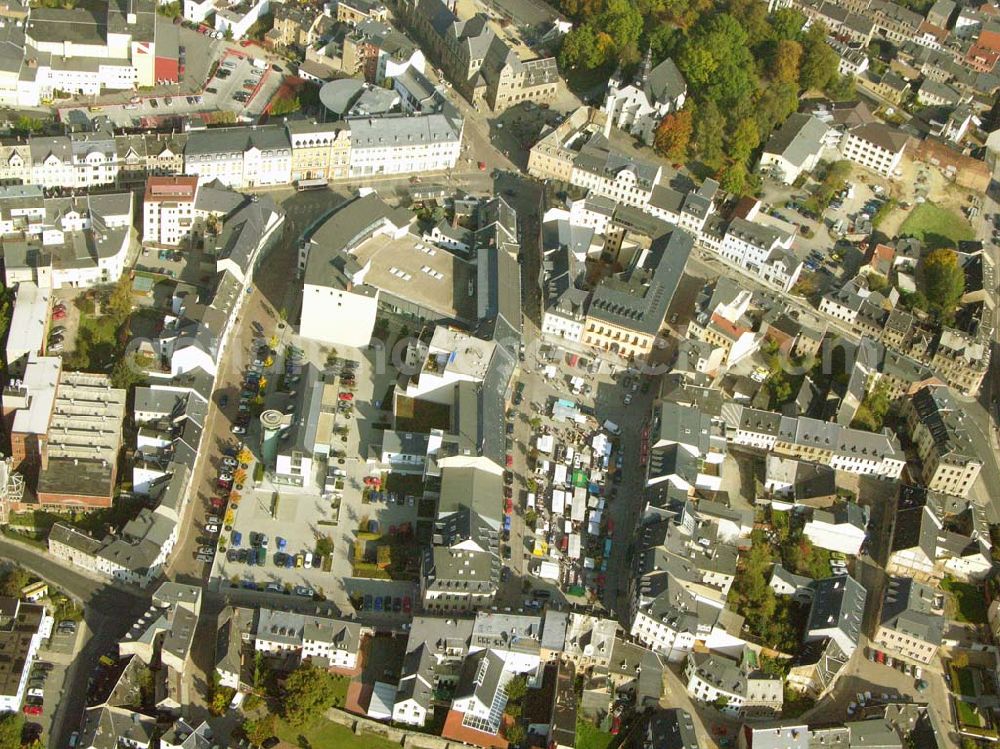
{"x":730,"y":329}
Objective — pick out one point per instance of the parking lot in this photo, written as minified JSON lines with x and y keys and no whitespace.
{"x":193,"y":95}
{"x":241,"y":87}
{"x":294,"y":519}
{"x":47,"y":680}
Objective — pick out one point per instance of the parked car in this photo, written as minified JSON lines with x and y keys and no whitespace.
{"x":211,"y":528}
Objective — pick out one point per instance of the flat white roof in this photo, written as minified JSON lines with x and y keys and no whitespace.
{"x":41,"y":377}
{"x":27,"y":324}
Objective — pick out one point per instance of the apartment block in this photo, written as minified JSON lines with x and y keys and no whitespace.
{"x":168,"y":209}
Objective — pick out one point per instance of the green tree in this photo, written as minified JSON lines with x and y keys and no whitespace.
{"x":776,"y":102}
{"x":11,"y":728}
{"x":743,"y":140}
{"x":515,"y":734}
{"x":787,"y":23}
{"x":260,"y":730}
{"x":942,"y":282}
{"x":674,"y":134}
{"x":735,"y":179}
{"x":308,"y":692}
{"x":710,"y":130}
{"x":29,"y":125}
{"x":819,"y":61}
{"x":580,"y":48}
{"x":119,"y":304}
{"x":324,"y":546}
{"x":517,"y":688}
{"x":126,"y":373}
{"x":12,"y":581}
{"x":228,"y":33}
{"x":286,"y":105}
{"x":873,"y":408}
{"x":841,"y":88}
{"x":221,"y":697}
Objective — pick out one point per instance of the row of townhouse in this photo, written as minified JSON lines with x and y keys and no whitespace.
{"x":466,"y":664}
{"x":56,"y":243}
{"x":240,"y":157}
{"x":958,"y":357}
{"x":171,"y":411}
{"x":840,"y":447}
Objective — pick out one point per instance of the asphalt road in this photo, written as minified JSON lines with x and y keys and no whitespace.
{"x":109,"y":610}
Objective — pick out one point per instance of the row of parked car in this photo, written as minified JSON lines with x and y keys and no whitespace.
{"x":34,"y":701}
{"x":250,"y":390}
{"x":387,"y":604}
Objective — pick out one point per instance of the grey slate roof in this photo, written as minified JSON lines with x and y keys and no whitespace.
{"x":798,"y":138}
{"x":640,"y":301}
{"x":910,"y":607}
{"x":665,"y":82}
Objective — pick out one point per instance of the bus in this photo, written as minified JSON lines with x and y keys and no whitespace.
{"x":310,"y":184}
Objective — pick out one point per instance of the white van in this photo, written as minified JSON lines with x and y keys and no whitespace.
{"x":308,"y":559}
{"x":611,"y":427}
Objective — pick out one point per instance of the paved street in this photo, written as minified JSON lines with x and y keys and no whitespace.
{"x":275,"y":290}
{"x":109,"y":610}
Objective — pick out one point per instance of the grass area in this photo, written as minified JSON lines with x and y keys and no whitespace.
{"x":96,"y":347}
{"x":421,"y":416}
{"x":967,"y":715}
{"x":589,"y":736}
{"x":324,"y":734}
{"x":965,"y":685}
{"x":340,"y":695}
{"x":970,"y":606}
{"x":936,"y":226}
{"x":796,"y":704}
{"x":29,"y":537}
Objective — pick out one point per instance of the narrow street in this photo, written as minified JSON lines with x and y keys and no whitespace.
{"x":109,"y":610}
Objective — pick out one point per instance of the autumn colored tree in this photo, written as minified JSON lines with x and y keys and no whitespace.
{"x":785,"y":62}
{"x":673,"y":135}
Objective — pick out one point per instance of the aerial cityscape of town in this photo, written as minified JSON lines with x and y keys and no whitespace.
{"x":499,"y":373}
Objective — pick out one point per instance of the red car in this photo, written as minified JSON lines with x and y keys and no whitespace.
{"x":58,"y":314}
{"x":346,"y":396}
{"x":482,"y":166}
{"x":508,"y":506}
{"x":407,"y":604}
{"x":510,"y":460}
{"x":616,"y":725}
{"x":32,"y":709}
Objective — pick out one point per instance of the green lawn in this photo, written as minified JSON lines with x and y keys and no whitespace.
{"x":967,"y":715}
{"x":589,"y":736}
{"x":936,"y":226}
{"x":324,"y":734}
{"x":970,"y":606}
{"x":340,"y":695}
{"x":963,"y":681}
{"x":96,"y":348}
